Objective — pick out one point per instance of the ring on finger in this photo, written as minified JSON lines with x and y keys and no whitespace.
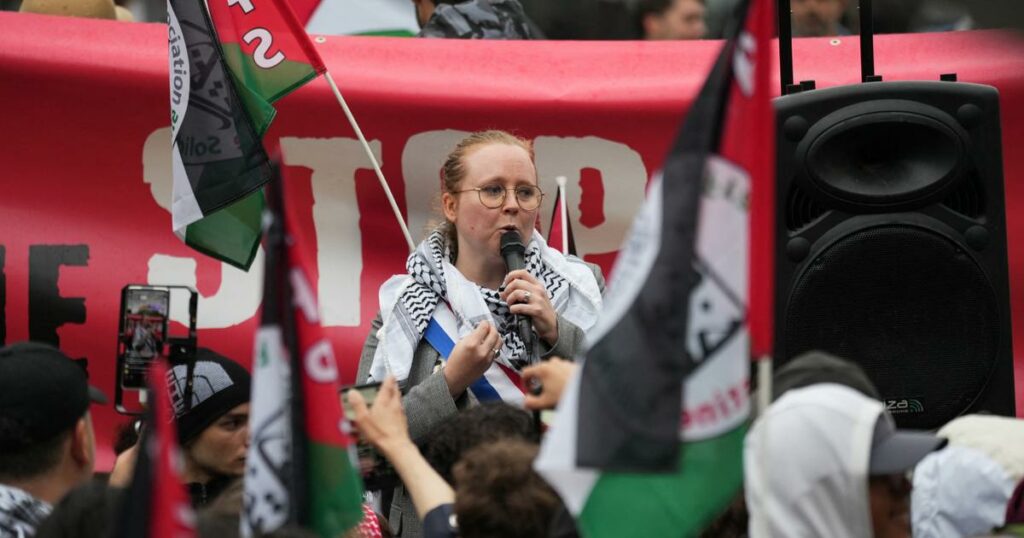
{"x":496,"y":351}
{"x":526,"y":296}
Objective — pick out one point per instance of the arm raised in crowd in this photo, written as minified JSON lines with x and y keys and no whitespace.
{"x":385,"y":427}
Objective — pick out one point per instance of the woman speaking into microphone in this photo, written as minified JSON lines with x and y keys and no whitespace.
{"x":447,"y":330}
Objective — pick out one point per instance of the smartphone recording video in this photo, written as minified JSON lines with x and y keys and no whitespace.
{"x":367,"y":391}
{"x":144,"y":312}
{"x":377,"y":473}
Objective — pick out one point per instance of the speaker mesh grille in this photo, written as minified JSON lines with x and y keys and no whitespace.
{"x":801,"y":209}
{"x":908,"y":305}
{"x":968,"y":198}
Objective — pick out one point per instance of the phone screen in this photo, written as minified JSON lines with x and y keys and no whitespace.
{"x":144,"y":312}
{"x":377,"y":473}
{"x":367,"y":391}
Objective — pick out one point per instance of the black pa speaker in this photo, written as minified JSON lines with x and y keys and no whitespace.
{"x":891,"y":247}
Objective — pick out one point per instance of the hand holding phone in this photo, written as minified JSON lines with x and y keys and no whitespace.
{"x":144,"y":318}
{"x":376,"y":411}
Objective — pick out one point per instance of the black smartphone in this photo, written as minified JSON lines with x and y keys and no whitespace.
{"x":144,"y":318}
{"x":377,"y":472}
{"x":369,"y":393}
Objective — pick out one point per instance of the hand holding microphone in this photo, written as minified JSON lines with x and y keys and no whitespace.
{"x":526,"y":296}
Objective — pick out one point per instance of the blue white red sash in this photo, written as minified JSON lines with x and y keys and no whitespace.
{"x":499,"y":382}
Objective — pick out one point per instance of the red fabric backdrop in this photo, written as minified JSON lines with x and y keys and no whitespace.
{"x":84,"y":145}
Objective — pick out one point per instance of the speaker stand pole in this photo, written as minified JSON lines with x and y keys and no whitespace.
{"x":785,"y":47}
{"x":867,"y":42}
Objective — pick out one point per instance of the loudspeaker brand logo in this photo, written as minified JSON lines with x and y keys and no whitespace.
{"x":904,"y":406}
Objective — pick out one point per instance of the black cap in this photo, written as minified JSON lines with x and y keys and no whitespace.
{"x":219,"y":384}
{"x":42,"y":393}
{"x":896,"y":451}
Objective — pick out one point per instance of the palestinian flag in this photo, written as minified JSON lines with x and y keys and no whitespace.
{"x":650,"y":443}
{"x":157,"y":505}
{"x":393,"y":18}
{"x":226,"y":68}
{"x":301,"y":464}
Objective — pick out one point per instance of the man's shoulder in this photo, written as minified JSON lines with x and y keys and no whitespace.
{"x":20,"y":512}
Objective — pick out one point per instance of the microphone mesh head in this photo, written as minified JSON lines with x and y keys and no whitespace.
{"x":511,"y":241}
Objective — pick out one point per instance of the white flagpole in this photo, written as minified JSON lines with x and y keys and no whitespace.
{"x":373,"y":159}
{"x":764,"y":399}
{"x":563,"y":214}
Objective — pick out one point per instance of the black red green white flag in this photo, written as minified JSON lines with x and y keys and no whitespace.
{"x":227,"y":66}
{"x":649,"y":435}
{"x":301,"y":467}
{"x":157,"y":504}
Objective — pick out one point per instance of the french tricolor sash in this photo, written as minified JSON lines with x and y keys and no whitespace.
{"x":499,"y":382}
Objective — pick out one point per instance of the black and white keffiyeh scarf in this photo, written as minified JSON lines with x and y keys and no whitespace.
{"x":20,"y":513}
{"x":408,"y":302}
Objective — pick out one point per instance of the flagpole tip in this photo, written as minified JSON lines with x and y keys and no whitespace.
{"x":561,"y":180}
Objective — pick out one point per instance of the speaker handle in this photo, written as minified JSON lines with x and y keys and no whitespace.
{"x":867,"y":45}
{"x":785,"y":46}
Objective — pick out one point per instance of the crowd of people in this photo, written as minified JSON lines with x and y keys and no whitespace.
{"x":608,"y":19}
{"x":823,"y":459}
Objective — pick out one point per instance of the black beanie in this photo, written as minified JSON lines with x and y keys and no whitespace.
{"x":219,"y":384}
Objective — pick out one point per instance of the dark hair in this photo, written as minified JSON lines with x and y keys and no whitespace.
{"x":645,"y":8}
{"x":732,"y":523}
{"x":498,"y":494}
{"x":22,"y":458}
{"x":448,"y":441}
{"x":650,"y":7}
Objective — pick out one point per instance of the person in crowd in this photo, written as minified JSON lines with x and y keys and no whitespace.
{"x":816,"y":366}
{"x":671,"y":19}
{"x":474,"y":19}
{"x":817,"y":18}
{"x":213,"y":432}
{"x":47,"y":445}
{"x":496,"y":494}
{"x":458,"y":278}
{"x":450,"y":440}
{"x":964,"y":489}
{"x":826,"y":460}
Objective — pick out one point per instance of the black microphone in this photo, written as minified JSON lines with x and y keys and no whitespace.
{"x":514,"y":253}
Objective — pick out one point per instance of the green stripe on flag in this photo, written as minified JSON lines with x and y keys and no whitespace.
{"x":232,"y":234}
{"x":678,"y":504}
{"x":335,"y":489}
{"x":259,"y":87}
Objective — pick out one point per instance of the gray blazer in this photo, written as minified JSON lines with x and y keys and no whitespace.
{"x":427,"y":401}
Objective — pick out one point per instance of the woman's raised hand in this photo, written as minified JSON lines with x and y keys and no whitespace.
{"x":472,"y":356}
{"x":525,"y":295}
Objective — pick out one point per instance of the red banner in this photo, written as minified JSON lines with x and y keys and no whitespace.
{"x":85,"y":148}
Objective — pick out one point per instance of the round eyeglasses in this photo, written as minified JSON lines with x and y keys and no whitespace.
{"x":493,"y":196}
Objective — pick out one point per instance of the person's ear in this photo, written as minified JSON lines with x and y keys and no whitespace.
{"x":83,"y":444}
{"x":652,"y":26}
{"x":449,"y":204}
